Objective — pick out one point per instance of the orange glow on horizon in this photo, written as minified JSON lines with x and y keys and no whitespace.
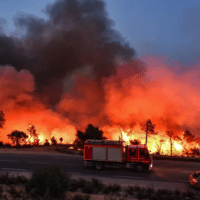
{"x":118,"y":105}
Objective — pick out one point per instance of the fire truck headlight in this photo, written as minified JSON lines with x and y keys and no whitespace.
{"x":150,"y":166}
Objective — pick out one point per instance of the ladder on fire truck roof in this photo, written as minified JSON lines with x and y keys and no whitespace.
{"x":116,"y":142}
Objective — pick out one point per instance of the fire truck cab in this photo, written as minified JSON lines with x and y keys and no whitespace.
{"x":107,"y":153}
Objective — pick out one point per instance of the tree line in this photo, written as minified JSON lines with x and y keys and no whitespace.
{"x":19,"y":137}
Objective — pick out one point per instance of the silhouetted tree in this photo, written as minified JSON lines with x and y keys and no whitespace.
{"x":46,"y":143}
{"x":159,"y":146}
{"x":172,"y":136}
{"x":135,"y":142}
{"x":149,"y":128}
{"x":61,"y":140}
{"x":195,"y":151}
{"x":2,"y":119}
{"x":91,"y":132}
{"x":53,"y":141}
{"x":78,"y":144}
{"x":188,"y":136}
{"x":17,"y":137}
{"x":1,"y":144}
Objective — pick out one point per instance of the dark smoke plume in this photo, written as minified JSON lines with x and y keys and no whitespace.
{"x":77,"y":34}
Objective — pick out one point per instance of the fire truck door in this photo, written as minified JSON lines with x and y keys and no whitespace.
{"x":143,"y":155}
{"x":133,"y":154}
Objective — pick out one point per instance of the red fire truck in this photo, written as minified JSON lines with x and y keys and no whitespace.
{"x":105,"y":153}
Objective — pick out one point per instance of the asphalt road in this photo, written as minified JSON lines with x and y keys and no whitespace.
{"x":164,"y":171}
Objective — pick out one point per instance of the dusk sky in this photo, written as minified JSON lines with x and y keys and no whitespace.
{"x":102,"y":62}
{"x":156,"y":27}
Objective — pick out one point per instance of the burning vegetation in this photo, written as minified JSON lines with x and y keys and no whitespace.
{"x":75,"y":69}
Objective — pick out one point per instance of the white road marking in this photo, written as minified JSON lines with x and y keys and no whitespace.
{"x":128,"y":177}
{"x":182,"y":181}
{"x":164,"y":164}
{"x":74,"y":173}
{"x":24,"y":156}
{"x":72,"y":164}
{"x":9,"y":160}
{"x":65,"y":158}
{"x":189,"y":172}
{"x":46,"y":163}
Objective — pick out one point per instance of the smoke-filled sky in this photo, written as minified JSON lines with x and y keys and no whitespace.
{"x":151,"y":27}
{"x":67,"y":63}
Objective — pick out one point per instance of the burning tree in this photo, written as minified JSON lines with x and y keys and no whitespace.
{"x":17,"y":137}
{"x":33,"y":136}
{"x":149,"y":128}
{"x":61,"y":140}
{"x":53,"y":141}
{"x":159,"y":146}
{"x":135,"y":142}
{"x":172,"y":136}
{"x":190,"y":138}
{"x":91,"y":132}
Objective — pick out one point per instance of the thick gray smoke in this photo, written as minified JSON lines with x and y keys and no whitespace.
{"x":77,"y":34}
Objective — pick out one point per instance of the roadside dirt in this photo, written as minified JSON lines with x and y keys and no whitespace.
{"x":42,"y":150}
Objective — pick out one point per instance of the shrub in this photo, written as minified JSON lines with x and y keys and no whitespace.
{"x":1,"y":191}
{"x":10,"y":180}
{"x":21,"y":180}
{"x":81,"y":183}
{"x":164,"y":191}
{"x":116,"y":188}
{"x":8,"y":145}
{"x":142,"y":194}
{"x":150,"y":191}
{"x":88,"y":188}
{"x":17,"y":146}
{"x":129,"y":190}
{"x":73,"y":185}
{"x":164,"y":194}
{"x":48,"y":181}
{"x":4,"y":197}
{"x":12,"y":190}
{"x":177,"y":192}
{"x":97,"y":184}
{"x":167,"y":197}
{"x":81,"y":197}
{"x":107,"y":189}
{"x":137,"y":188}
{"x":188,"y":194}
{"x":155,"y":196}
{"x":4,"y":177}
{"x":27,"y":146}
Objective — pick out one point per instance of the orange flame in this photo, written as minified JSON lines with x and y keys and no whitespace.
{"x":165,"y":95}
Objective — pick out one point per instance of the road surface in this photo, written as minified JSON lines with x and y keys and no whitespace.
{"x":164,"y":172}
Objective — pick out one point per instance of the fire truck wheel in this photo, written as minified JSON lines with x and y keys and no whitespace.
{"x":99,"y":165}
{"x":139,"y":168}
